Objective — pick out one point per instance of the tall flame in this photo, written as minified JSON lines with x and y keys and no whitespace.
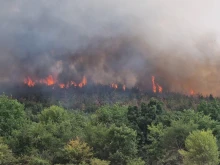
{"x":153,"y":83}
{"x":156,"y":87}
{"x":160,"y":89}
{"x":83,"y":82}
{"x":124,"y":87}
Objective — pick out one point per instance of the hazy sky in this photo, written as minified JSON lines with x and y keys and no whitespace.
{"x":176,"y":40}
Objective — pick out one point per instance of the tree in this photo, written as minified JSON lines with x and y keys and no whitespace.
{"x":122,"y":144}
{"x":12,"y":115}
{"x":201,"y":149}
{"x":54,"y":114}
{"x":142,"y":117}
{"x":77,"y":151}
{"x":211,"y":108}
{"x":96,"y":161}
{"x":97,"y":138}
{"x":6,"y":157}
{"x":165,"y":140}
{"x":115,"y":114}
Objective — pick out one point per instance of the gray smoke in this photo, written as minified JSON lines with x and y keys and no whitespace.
{"x":121,"y":41}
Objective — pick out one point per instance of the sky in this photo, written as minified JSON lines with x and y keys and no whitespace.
{"x":119,"y":40}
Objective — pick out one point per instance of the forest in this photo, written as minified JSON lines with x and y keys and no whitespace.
{"x":122,"y":128}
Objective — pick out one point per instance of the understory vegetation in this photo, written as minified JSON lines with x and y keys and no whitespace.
{"x":172,"y":130}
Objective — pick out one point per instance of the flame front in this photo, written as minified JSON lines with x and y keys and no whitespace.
{"x":156,"y":87}
{"x":160,"y":89}
{"x":115,"y":86}
{"x":29,"y":82}
{"x":83,"y":82}
{"x":50,"y":80}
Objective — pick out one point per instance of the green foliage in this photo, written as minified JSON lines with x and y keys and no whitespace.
{"x":6,"y":156}
{"x":54,"y":114}
{"x":38,"y":161}
{"x":97,"y":138}
{"x":136,"y":161}
{"x":96,"y":161}
{"x":148,"y":133}
{"x":165,"y":141}
{"x":201,"y":149}
{"x":210,"y":108}
{"x":122,"y":144}
{"x":77,"y":151}
{"x":12,"y":115}
{"x":141,"y":118}
{"x":115,"y":114}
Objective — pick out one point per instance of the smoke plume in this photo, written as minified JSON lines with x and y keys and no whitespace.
{"x":122,"y":41}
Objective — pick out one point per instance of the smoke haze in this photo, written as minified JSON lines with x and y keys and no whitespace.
{"x":121,"y":41}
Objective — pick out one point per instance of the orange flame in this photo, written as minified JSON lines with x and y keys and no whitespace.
{"x":62,"y":85}
{"x":154,"y":88}
{"x":160,"y":89}
{"x":73,"y":83}
{"x":192,"y":92}
{"x":115,"y":86}
{"x":124,"y":87}
{"x":29,"y":82}
{"x":50,"y":80}
{"x":83,"y":82}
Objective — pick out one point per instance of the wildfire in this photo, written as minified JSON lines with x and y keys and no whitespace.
{"x":83,"y":82}
{"x":29,"y":82}
{"x":192,"y":92}
{"x":156,"y":87}
{"x":124,"y":87}
{"x":115,"y":86}
{"x":160,"y":89}
{"x":62,"y":85}
{"x":50,"y":80}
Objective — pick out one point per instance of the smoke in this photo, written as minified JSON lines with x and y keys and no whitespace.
{"x":120,"y":41}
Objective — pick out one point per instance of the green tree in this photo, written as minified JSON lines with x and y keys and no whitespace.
{"x":54,"y":114}
{"x":6,"y":156}
{"x":115,"y":114}
{"x":97,"y":138}
{"x":166,"y":140}
{"x":38,"y":161}
{"x":12,"y":115}
{"x":77,"y":151}
{"x":201,"y":149}
{"x":211,"y":108}
{"x":121,"y":144}
{"x":96,"y":161}
{"x":142,"y":117}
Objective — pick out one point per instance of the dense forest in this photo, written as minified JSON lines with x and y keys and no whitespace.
{"x":123,"y":128}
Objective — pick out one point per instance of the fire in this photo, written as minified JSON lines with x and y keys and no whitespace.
{"x":115,"y":86}
{"x":50,"y":80}
{"x":29,"y":82}
{"x":160,"y":89}
{"x":124,"y":87}
{"x":153,"y":83}
{"x":156,"y":87}
{"x":192,"y":92}
{"x":62,"y":85}
{"x":83,"y":82}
